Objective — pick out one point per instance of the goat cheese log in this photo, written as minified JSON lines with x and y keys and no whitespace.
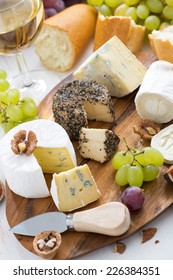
{"x":65,"y":35}
{"x":154,"y":100}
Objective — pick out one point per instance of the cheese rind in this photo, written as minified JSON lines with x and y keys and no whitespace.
{"x":78,"y":101}
{"x":97,"y":144}
{"x":23,"y":173}
{"x":114,"y":66}
{"x":74,"y":188}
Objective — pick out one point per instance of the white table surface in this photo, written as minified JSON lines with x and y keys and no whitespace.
{"x":11,"y":249}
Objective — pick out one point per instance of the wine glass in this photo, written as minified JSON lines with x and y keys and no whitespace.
{"x":20,"y":23}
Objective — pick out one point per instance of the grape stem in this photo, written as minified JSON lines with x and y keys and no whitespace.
{"x":131,"y":150}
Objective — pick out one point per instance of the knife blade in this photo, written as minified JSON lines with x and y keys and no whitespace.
{"x":112,"y":218}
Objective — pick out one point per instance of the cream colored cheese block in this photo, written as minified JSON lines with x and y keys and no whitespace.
{"x":97,"y":144}
{"x":154,"y":100}
{"x":163,"y":141}
{"x":54,"y":153}
{"x":74,"y":188}
{"x":114,"y":66}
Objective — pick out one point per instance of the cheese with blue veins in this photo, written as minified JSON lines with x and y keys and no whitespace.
{"x":54,"y":153}
{"x":74,"y":188}
{"x":114,"y":66}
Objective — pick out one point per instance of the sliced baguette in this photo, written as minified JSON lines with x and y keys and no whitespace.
{"x":161,"y":43}
{"x":131,"y":34}
{"x":65,"y":35}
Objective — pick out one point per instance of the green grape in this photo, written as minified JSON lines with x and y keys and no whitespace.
{"x":3,"y":74}
{"x":153,"y":156}
{"x":7,"y":126}
{"x":150,"y":172}
{"x":164,"y":24}
{"x":131,"y":12}
{"x":105,"y":10}
{"x":28,"y":119}
{"x":4,"y":85}
{"x":155,"y":6}
{"x":29,"y":107}
{"x":152,"y":22}
{"x":121,"y":158}
{"x":1,"y":117}
{"x":120,"y":10}
{"x":14,"y":112}
{"x":13,"y":96}
{"x":121,"y":177}
{"x":95,"y":2}
{"x":3,"y":97}
{"x":131,"y":2}
{"x":139,"y":157}
{"x":111,"y":3}
{"x":168,"y":12}
{"x":142,"y":11}
{"x":169,"y":2}
{"x":135,"y":176}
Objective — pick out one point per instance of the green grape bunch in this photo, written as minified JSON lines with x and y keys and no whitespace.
{"x":135,"y":167}
{"x":14,"y":109}
{"x":153,"y":14}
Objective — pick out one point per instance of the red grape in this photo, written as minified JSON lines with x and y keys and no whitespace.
{"x":133,"y":198}
{"x":49,"y":12}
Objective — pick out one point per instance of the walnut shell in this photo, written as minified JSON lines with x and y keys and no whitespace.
{"x":47,"y":253}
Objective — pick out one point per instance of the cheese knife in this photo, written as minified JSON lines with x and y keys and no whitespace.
{"x":112,"y":218}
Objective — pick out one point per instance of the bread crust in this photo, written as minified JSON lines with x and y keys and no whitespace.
{"x":163,"y":48}
{"x":131,"y":34}
{"x":78,"y":23}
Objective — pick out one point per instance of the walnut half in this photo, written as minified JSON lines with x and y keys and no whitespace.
{"x":23,"y":143}
{"x":146,"y":129}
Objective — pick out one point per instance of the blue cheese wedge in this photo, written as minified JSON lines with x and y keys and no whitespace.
{"x":97,"y":144}
{"x":114,"y":66}
{"x":54,"y":153}
{"x":74,"y":188}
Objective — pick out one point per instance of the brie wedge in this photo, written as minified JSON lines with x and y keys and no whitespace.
{"x":154,"y":100}
{"x":163,"y":141}
{"x":54,"y":151}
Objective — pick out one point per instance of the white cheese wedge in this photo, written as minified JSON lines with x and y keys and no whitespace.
{"x":154,"y":100}
{"x":114,"y":66}
{"x":54,"y":151}
{"x":163,"y":141}
{"x":97,"y":144}
{"x":74,"y":188}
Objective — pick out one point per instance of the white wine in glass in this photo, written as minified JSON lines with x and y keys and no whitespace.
{"x":20,"y":23}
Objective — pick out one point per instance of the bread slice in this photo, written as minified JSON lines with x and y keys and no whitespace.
{"x":65,"y":35}
{"x":131,"y":34}
{"x":161,"y":42}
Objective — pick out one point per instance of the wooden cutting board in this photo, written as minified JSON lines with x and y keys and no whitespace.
{"x":158,"y":194}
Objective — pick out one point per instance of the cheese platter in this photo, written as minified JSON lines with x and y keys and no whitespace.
{"x":158,"y":193}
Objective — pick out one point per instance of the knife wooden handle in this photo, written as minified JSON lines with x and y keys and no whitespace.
{"x":112,"y":219}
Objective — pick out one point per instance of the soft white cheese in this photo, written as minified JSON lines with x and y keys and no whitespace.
{"x":114,"y":66}
{"x":163,"y":141}
{"x":23,"y":173}
{"x":154,"y":100}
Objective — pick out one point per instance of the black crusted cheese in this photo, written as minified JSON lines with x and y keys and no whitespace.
{"x":71,"y":101}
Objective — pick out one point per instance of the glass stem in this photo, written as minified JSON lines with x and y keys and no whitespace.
{"x":23,"y":68}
